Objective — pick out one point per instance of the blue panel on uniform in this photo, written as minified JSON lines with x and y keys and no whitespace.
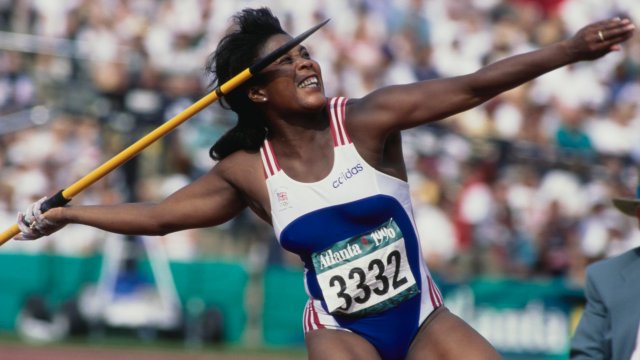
{"x":318,"y":230}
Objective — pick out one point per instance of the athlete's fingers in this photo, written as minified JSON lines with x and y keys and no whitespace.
{"x":617,"y":34}
{"x":32,"y":223}
{"x":22,"y":223}
{"x":26,"y":232}
{"x":614,"y":23}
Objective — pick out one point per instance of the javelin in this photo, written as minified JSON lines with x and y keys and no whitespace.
{"x":64,"y":196}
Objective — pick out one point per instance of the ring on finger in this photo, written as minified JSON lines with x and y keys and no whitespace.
{"x":600,"y":35}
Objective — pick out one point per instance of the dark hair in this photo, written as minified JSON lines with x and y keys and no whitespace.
{"x":236,"y":51}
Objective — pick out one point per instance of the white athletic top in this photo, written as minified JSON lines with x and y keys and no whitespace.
{"x":355,"y":232}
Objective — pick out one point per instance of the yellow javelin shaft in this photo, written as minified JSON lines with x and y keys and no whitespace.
{"x":153,"y":136}
{"x":141,"y":144}
{"x":9,"y":233}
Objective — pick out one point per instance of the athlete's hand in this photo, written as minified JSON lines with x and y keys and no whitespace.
{"x":34,"y":224}
{"x":597,"y":39}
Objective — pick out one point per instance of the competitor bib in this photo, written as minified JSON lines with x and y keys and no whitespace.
{"x":365,"y":274}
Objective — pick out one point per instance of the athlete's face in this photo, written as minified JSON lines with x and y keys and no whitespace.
{"x":291,"y":83}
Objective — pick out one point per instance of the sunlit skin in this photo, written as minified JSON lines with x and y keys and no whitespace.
{"x":298,"y":128}
{"x":282,"y":80}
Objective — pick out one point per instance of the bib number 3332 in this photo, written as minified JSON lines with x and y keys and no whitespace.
{"x":366,"y":274}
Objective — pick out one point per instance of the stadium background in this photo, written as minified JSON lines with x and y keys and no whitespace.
{"x":512,"y":198}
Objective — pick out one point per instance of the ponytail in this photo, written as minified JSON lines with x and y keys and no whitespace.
{"x":236,"y":51}
{"x":243,"y":136}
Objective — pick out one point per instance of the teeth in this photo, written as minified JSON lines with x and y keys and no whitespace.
{"x":312,"y":81}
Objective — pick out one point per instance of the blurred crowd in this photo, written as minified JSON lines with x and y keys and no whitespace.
{"x":520,"y":186}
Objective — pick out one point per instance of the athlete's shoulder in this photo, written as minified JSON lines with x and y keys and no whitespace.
{"x":239,"y":163}
{"x":244,"y":171}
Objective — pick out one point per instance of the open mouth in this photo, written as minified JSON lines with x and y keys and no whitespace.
{"x":310,"y":82}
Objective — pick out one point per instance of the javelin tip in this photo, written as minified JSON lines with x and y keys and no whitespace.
{"x":265,"y":61}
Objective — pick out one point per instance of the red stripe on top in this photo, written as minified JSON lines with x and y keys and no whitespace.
{"x":269,"y":161}
{"x":343,"y":112}
{"x":335,"y":122}
{"x":338,"y":119}
{"x":265,"y":163}
{"x":273,"y":154}
{"x":431,"y":295}
{"x":334,"y":133}
{"x":338,"y":106}
{"x":436,"y":291}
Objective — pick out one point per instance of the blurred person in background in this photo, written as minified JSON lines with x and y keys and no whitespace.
{"x":556,"y":242}
{"x":17,"y":88}
{"x":610,"y":324}
{"x":336,"y":183}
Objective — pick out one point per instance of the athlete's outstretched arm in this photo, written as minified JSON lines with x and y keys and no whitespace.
{"x":404,"y":106}
{"x":208,"y":201}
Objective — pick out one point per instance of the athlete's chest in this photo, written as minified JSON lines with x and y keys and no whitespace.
{"x":349,"y":179}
